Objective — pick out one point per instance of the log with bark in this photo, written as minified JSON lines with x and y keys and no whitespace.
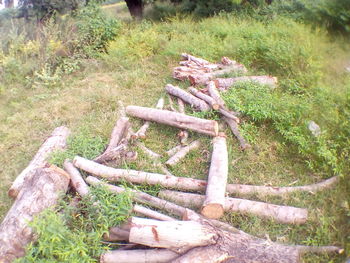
{"x":141,"y":133}
{"x":138,"y":256}
{"x":175,"y":119}
{"x":174,"y":150}
{"x":213,"y":205}
{"x":115,"y":148}
{"x":76,"y":180}
{"x":182,"y":134}
{"x":190,"y":184}
{"x":178,"y":156}
{"x":234,"y":128}
{"x":278,"y":213}
{"x":56,"y":141}
{"x":195,"y":102}
{"x":211,"y":102}
{"x":151,"y":213}
{"x":39,"y":192}
{"x":224,"y":84}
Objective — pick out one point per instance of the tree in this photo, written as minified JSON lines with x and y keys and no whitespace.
{"x":135,"y":8}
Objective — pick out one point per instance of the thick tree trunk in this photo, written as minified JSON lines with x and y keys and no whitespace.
{"x":281,"y":214}
{"x":182,"y":153}
{"x":138,"y":256}
{"x":213,"y":205}
{"x":115,"y":149}
{"x":56,"y":141}
{"x":76,"y":180}
{"x":224,"y":84}
{"x":151,"y":213}
{"x":40,"y":191}
{"x":175,"y":119}
{"x":135,"y":8}
{"x":234,"y":128}
{"x":166,"y":234}
{"x":195,"y":102}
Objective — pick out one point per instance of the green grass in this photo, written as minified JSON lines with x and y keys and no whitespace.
{"x":313,"y":86}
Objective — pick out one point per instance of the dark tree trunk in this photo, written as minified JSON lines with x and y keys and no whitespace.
{"x":135,"y":8}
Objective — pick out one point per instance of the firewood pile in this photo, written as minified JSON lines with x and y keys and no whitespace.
{"x":182,"y":234}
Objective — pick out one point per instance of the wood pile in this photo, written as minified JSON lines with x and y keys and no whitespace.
{"x":180,"y":235}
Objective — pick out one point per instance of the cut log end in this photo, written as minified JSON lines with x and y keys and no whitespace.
{"x":213,"y":211}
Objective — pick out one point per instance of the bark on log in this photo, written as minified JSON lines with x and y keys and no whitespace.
{"x":116,"y":234}
{"x":234,"y":128}
{"x":39,"y":192}
{"x":138,"y":177}
{"x":141,"y":133}
{"x":204,"y":97}
{"x":76,"y":179}
{"x":56,"y":141}
{"x":138,"y":256}
{"x":195,"y":102}
{"x":182,"y":153}
{"x":213,"y":205}
{"x":281,"y":214}
{"x":175,"y":119}
{"x":151,"y":213}
{"x":224,"y":84}
{"x":214,"y":93}
{"x":179,"y":236}
{"x":200,"y":62}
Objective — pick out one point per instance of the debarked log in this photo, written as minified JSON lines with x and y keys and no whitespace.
{"x":175,"y":119}
{"x":195,"y":102}
{"x":56,"y":141}
{"x":278,"y":213}
{"x":138,"y":256}
{"x":39,"y":192}
{"x":213,"y":204}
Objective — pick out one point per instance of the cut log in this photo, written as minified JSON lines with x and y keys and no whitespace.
{"x":182,"y":153}
{"x":116,"y":234}
{"x":224,"y":84}
{"x":174,"y":150}
{"x":175,"y":119}
{"x":56,"y":141}
{"x":212,"y":103}
{"x":138,"y":256}
{"x":151,"y":213}
{"x":278,"y":213}
{"x":213,"y":205}
{"x":214,"y":93}
{"x":183,"y":134}
{"x":76,"y":179}
{"x":141,"y":133}
{"x":120,"y":131}
{"x":134,"y":176}
{"x":179,"y":236}
{"x":200,"y":62}
{"x":230,"y":114}
{"x":39,"y":192}
{"x":234,"y":128}
{"x":195,"y":102}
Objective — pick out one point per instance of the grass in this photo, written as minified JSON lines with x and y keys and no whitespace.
{"x":313,"y":86}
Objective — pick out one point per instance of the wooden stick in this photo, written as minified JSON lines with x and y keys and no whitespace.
{"x":234,"y":128}
{"x":39,"y":192}
{"x":184,"y":133}
{"x":204,"y":97}
{"x":224,"y":84}
{"x":56,"y":141}
{"x":151,"y":213}
{"x":141,"y":133}
{"x":138,"y":256}
{"x":214,"y":93}
{"x":213,"y":205}
{"x":179,"y":236}
{"x":175,"y":119}
{"x":187,"y":97}
{"x":281,"y":214}
{"x":76,"y":179}
{"x":174,"y":150}
{"x":182,"y":153}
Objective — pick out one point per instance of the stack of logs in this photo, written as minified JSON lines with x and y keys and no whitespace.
{"x":188,"y":236}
